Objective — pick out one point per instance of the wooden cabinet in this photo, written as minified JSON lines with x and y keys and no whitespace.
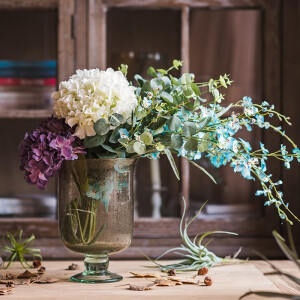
{"x":240,"y":37}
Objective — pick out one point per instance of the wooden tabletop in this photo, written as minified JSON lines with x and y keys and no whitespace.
{"x":230,"y":282}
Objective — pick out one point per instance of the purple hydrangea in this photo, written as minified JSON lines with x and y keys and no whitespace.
{"x":43,"y":150}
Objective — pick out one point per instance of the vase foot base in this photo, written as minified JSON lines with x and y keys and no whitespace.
{"x":103,"y":277}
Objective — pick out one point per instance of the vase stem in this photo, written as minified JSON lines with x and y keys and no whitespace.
{"x":96,"y":266}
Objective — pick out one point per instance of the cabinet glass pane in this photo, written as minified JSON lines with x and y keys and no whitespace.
{"x":28,"y":56}
{"x":227,"y":41}
{"x":143,"y":38}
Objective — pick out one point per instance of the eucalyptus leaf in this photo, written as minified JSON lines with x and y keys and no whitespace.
{"x":191,"y":144}
{"x":106,"y":155}
{"x":114,"y":136}
{"x":174,"y":123}
{"x":139,"y":148}
{"x":160,"y":122}
{"x":188,"y":91}
{"x":167,"y":97}
{"x":186,"y":79}
{"x":156,"y":84}
{"x":176,"y":141}
{"x":108,"y":148}
{"x":101,"y":127}
{"x":174,"y":80}
{"x":196,"y":89}
{"x":139,"y":79}
{"x":94,"y":141}
{"x":162,"y":71}
{"x":151,"y":72}
{"x":189,"y":129}
{"x":172,"y":162}
{"x":116,"y":119}
{"x":147,"y":138}
{"x":146,"y":87}
{"x":166,"y":81}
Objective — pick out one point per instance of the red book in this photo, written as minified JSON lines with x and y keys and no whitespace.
{"x":28,"y":81}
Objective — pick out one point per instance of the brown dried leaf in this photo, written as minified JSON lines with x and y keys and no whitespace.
{"x":185,"y":280}
{"x":43,"y":280}
{"x":165,"y":282}
{"x":16,"y":281}
{"x":11,"y":276}
{"x":73,"y":267}
{"x":5,"y":291}
{"x":141,"y":287}
{"x":146,"y":275}
{"x":41,"y":270}
{"x":26,"y":275}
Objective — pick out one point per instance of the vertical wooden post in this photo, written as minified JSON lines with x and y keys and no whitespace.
{"x":97,"y":34}
{"x":185,"y":56}
{"x":66,"y":44}
{"x":81,"y":29}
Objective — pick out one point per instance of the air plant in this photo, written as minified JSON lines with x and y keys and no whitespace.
{"x":196,"y":255}
{"x":291,"y":254}
{"x":18,"y":248}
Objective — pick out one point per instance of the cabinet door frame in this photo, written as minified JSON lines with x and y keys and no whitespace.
{"x":255,"y":232}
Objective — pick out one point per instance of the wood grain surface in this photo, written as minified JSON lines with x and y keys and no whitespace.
{"x":230,"y":282}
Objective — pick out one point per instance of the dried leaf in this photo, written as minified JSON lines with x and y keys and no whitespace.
{"x":43,"y":280}
{"x":185,"y":280}
{"x":11,"y":276}
{"x":73,"y":267}
{"x":5,"y":291}
{"x":165,"y":282}
{"x":26,"y":275}
{"x":41,"y":270}
{"x":146,"y":275}
{"x":141,"y":287}
{"x":16,"y":281}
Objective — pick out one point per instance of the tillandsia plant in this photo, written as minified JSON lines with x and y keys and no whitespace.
{"x":291,"y":253}
{"x":99,"y":114}
{"x":196,"y":255}
{"x":17,"y":249}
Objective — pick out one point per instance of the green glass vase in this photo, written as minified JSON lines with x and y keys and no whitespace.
{"x":96,"y":198}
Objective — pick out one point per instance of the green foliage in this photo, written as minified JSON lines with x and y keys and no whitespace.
{"x":94,"y":141}
{"x":16,"y":248}
{"x":195,"y":255}
{"x":101,"y":127}
{"x":124,"y":69}
{"x":116,"y":119}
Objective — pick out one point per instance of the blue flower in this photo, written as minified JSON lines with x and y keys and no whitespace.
{"x":260,"y":121}
{"x":146,"y":103}
{"x":124,"y":133}
{"x":246,"y":145}
{"x":264,"y":150}
{"x":247,"y":101}
{"x":265,"y":103}
{"x":297,"y":152}
{"x":263,"y":165}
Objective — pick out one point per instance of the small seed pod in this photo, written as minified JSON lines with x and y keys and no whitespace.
{"x":202,"y":271}
{"x":208,"y":281}
{"x":172,"y":272}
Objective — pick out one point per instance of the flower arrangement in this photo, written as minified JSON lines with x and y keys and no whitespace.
{"x":99,"y":114}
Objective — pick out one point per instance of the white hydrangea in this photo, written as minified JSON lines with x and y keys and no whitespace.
{"x":90,"y":95}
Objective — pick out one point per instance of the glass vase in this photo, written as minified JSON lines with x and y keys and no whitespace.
{"x":96,"y":212}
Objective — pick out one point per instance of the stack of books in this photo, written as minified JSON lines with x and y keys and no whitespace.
{"x":27,"y":84}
